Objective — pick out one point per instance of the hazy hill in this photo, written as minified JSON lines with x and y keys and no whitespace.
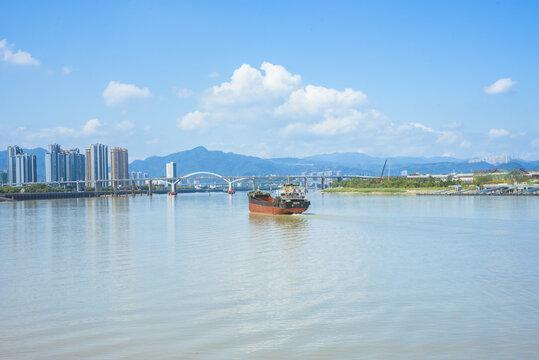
{"x":201,"y":159}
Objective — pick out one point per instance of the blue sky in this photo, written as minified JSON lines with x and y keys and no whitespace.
{"x":273,"y":78}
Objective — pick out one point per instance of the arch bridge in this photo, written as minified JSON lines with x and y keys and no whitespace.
{"x":228,"y":180}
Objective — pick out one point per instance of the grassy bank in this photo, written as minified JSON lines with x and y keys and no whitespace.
{"x":382,"y":191}
{"x":363,"y":190}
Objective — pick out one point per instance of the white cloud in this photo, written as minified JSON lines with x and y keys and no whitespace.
{"x":152,"y":141}
{"x":147,"y":128}
{"x":335,"y":125}
{"x":67,"y":70}
{"x":248,"y":84}
{"x":91,"y":127}
{"x":442,"y":136}
{"x":314,"y":100}
{"x":117,"y":94}
{"x":193,"y":121}
{"x":213,"y":75}
{"x":125,"y":125}
{"x":272,"y":103}
{"x":19,"y":57}
{"x":535,"y":142}
{"x":496,"y":133}
{"x":500,"y":86}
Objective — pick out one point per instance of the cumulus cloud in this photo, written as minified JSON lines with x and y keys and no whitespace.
{"x":91,"y":127}
{"x":500,"y":86}
{"x":274,"y":103}
{"x":314,"y":100}
{"x":331,"y":125}
{"x":125,"y":125}
{"x":193,"y":120}
{"x":496,"y":133}
{"x":117,"y":94}
{"x":248,"y":84}
{"x":17,"y":57}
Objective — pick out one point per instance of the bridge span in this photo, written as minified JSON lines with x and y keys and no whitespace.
{"x":199,"y":175}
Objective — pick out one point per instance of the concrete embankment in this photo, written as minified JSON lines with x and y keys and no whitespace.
{"x":88,"y":194}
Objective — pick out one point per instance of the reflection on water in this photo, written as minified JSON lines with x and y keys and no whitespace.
{"x":198,"y":276}
{"x":292,"y":222}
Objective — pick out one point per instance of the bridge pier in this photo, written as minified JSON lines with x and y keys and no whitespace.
{"x":322,"y":183}
{"x":150,"y":188}
{"x":305,"y":178}
{"x":133,"y":188}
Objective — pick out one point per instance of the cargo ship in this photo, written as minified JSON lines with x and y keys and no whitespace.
{"x":291,"y":200}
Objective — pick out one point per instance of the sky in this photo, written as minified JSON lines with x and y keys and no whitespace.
{"x":273,"y":78}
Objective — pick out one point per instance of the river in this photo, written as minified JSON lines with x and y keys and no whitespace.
{"x":198,"y":277}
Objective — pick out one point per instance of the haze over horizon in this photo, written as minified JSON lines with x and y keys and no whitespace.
{"x":286,"y":80}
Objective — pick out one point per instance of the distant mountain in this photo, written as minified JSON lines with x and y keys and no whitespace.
{"x":201,"y":159}
{"x":40,"y":159}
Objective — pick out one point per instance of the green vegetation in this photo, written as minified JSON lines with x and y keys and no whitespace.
{"x":395,"y":183}
{"x":514,"y":176}
{"x":33,"y":188}
{"x":366,"y":190}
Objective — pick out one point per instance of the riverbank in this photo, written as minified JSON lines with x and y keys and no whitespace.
{"x":383,"y":191}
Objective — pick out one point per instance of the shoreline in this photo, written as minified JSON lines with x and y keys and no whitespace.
{"x":382,"y":191}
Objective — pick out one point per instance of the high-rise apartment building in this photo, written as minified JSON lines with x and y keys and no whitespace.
{"x":22,"y":168}
{"x":171,"y":169}
{"x":75,"y":165}
{"x":88,"y":165}
{"x":119,"y":165}
{"x":99,"y":163}
{"x":12,"y":151}
{"x":64,"y":165}
{"x":53,"y":168}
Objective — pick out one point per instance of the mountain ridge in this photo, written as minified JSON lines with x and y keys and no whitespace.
{"x":232,"y":164}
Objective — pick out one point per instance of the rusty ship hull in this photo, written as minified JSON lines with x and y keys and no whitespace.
{"x":265,"y":204}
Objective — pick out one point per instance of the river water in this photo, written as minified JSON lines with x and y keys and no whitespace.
{"x":198,"y":277}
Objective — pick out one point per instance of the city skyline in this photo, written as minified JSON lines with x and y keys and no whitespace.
{"x":397,"y":83}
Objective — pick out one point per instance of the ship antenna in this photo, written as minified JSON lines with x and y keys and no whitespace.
{"x":289,"y":179}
